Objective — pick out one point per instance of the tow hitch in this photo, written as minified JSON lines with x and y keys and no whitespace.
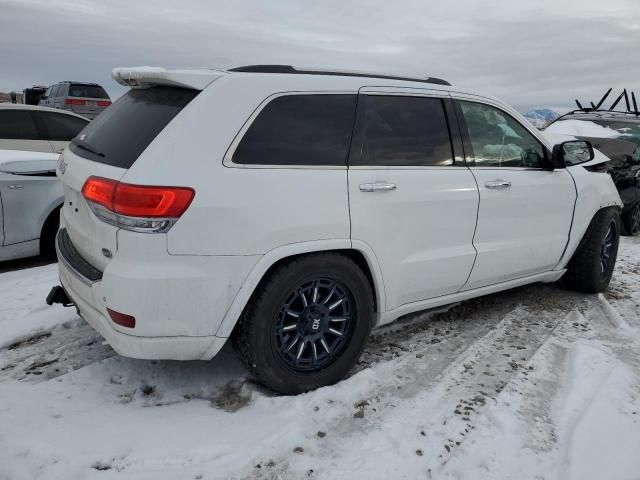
{"x":58,"y":295}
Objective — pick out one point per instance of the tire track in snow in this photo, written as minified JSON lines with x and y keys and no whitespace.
{"x":51,"y":353}
{"x":450,"y":383}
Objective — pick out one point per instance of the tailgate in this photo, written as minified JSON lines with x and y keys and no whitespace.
{"x":88,"y":234}
{"x":107,"y":148}
{"x":89,"y":106}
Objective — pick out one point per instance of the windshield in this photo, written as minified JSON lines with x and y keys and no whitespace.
{"x":617,"y":139}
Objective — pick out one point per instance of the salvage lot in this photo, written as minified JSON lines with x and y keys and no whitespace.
{"x":536,"y":382}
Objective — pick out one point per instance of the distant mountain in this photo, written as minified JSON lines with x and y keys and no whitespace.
{"x":541,"y":117}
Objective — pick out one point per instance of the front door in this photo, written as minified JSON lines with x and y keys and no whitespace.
{"x":526,"y":208}
{"x":410,"y":201}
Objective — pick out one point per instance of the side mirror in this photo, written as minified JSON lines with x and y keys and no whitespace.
{"x":572,"y":152}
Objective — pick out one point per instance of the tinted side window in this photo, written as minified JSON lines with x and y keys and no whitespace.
{"x":498,"y":140}
{"x":300,"y":130}
{"x":54,"y":92}
{"x":18,"y":125}
{"x":403,"y":131}
{"x":57,"y":126}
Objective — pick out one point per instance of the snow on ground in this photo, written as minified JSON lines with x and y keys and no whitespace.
{"x":534,"y":383}
{"x":22,"y":308}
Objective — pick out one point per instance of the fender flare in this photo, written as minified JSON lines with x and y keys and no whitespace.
{"x":270,"y":258}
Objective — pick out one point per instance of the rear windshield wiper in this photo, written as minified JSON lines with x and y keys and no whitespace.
{"x":86,"y":147}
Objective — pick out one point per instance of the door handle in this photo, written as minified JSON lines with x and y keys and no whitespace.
{"x":15,"y":186}
{"x":377,"y":187}
{"x":498,"y":184}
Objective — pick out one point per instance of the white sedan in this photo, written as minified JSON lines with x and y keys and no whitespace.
{"x":30,"y":199}
{"x":37,"y":129}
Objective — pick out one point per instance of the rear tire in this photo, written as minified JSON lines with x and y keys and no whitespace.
{"x":592,"y":265}
{"x":632,"y":221}
{"x":323,"y":302}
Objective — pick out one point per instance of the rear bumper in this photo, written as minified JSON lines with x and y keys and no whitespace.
{"x":151,"y":348}
{"x":170,"y":299}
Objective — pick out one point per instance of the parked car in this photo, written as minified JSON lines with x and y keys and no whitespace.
{"x":86,"y":99}
{"x":30,"y":199}
{"x":617,"y":135}
{"x":295,"y":210}
{"x":37,"y":129}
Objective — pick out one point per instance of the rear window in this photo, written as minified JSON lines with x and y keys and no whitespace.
{"x":300,"y":130}
{"x":123,"y":131}
{"x":88,"y":91}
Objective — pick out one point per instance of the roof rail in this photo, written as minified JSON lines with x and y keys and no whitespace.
{"x":292,"y":70}
{"x":81,"y":83}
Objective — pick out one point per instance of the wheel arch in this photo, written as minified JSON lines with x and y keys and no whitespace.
{"x":578,"y":233}
{"x":359,"y":252}
{"x":47,"y":217}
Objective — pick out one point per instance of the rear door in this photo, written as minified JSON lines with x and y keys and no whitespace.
{"x":526,"y":208}
{"x":18,"y":131}
{"x":412,"y":199}
{"x":107,"y":148}
{"x":59,"y":96}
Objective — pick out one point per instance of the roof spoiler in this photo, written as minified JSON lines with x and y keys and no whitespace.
{"x":145,"y":77}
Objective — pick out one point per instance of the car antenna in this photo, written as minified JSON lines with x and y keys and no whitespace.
{"x":580,"y":105}
{"x":603,"y":98}
{"x":615,"y":104}
{"x":635,"y":104}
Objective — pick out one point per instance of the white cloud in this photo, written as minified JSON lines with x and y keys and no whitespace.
{"x":530,"y":53}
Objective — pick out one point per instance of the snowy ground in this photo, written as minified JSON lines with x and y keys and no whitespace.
{"x":534,"y":383}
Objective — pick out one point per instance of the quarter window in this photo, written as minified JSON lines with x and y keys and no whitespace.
{"x":403,"y":131}
{"x":312,"y":129}
{"x":17,"y":125}
{"x":500,"y":141}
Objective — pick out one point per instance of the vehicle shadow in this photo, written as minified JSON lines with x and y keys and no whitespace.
{"x":23,"y":263}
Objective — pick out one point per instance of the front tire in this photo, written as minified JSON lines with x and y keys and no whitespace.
{"x":306,"y":324}
{"x":592,"y":265}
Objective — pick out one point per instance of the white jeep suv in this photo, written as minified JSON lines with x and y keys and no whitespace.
{"x":293,"y":211}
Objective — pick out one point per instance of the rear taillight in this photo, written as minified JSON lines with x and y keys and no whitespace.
{"x":74,"y":101}
{"x":140,"y":208}
{"x":103,"y":103}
